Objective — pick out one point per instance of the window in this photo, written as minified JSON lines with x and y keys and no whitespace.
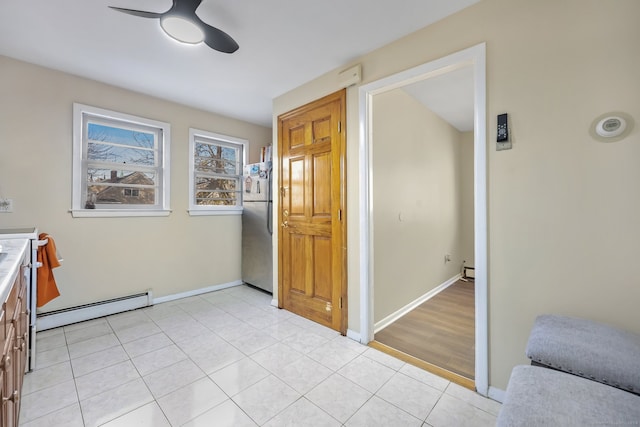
{"x":120,"y":164}
{"x":131,"y":192}
{"x":215,"y":173}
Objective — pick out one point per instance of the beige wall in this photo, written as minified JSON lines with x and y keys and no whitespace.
{"x":564,"y":234}
{"x":109,"y":257}
{"x":417,"y":212}
{"x":466,"y":197}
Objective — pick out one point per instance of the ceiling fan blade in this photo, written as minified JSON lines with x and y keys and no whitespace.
{"x":185,"y":6}
{"x":213,"y":37}
{"x":140,"y":13}
{"x":218,"y":39}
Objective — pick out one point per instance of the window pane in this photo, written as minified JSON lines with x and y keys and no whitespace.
{"x":218,"y":166}
{"x":216,"y":191}
{"x":228,"y":184}
{"x":120,"y":187}
{"x":133,"y":138}
{"x":122,"y":155}
{"x":117,"y":195}
{"x":231,"y":155}
{"x":120,"y":176}
{"x":216,"y":159}
{"x":215,"y":198}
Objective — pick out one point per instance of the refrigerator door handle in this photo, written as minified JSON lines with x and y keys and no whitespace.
{"x":270,"y":203}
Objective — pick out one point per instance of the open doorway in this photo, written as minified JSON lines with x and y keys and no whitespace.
{"x":422,"y":200}
{"x":425,"y":204}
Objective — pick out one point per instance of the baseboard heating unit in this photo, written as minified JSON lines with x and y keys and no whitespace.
{"x":67,"y":316}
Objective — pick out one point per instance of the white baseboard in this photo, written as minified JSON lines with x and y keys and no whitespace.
{"x":68,"y":316}
{"x":194,"y":292}
{"x":496,"y":394}
{"x":354,"y":336}
{"x":378,"y":326}
{"x":274,"y":302}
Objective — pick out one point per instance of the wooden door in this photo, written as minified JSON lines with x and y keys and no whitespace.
{"x":312,"y":218}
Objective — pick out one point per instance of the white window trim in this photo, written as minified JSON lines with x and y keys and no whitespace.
{"x":197,"y":210}
{"x":77,"y":209}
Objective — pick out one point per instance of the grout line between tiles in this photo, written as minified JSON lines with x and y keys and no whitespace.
{"x":222,"y":303}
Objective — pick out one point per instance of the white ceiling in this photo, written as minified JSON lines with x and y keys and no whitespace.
{"x":283,"y":44}
{"x":449,"y":95}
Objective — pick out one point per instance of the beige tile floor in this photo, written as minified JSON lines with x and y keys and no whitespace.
{"x":228,"y":358}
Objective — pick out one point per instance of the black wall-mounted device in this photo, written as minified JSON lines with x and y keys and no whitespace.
{"x":502,"y":133}
{"x":503,"y":128}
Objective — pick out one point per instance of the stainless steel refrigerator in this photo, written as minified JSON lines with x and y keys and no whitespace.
{"x":257,"y":252}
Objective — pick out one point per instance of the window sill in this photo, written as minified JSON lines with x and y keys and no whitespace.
{"x":202,"y":212}
{"x":112,"y":213}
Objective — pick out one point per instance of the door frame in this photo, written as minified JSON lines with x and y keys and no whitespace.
{"x":474,"y":56}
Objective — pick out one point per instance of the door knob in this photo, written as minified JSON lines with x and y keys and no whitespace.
{"x":285,"y":224}
{"x":13,"y":398}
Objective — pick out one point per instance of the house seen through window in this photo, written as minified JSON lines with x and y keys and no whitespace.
{"x":120,"y":163}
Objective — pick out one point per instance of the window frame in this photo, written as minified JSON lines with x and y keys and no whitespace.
{"x":243,"y":144}
{"x":82,"y":114}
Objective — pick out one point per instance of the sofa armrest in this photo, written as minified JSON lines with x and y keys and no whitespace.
{"x":588,"y":349}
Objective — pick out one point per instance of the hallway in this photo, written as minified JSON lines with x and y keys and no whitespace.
{"x":440,"y":331}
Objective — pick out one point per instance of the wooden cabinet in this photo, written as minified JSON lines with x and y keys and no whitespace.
{"x":14,"y":335}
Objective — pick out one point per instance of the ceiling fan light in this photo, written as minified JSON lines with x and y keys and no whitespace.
{"x":181,"y":29}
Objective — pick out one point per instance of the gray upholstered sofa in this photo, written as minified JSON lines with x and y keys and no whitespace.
{"x":582,"y":373}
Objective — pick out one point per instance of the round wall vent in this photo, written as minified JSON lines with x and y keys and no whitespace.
{"x":611,"y":127}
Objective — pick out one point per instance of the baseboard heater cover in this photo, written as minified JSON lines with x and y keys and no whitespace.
{"x":80,"y":313}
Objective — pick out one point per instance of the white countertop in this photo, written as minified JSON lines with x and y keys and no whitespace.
{"x":10,"y":258}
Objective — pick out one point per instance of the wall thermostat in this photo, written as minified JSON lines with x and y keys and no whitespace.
{"x":611,"y":127}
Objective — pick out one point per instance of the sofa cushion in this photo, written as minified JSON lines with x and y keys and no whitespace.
{"x":588,"y":349}
{"x":538,"y":396}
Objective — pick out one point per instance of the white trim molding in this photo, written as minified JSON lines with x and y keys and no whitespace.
{"x":107,"y":213}
{"x":497,"y":394}
{"x":236,"y":211}
{"x":475,"y":57}
{"x":195,"y":292}
{"x":354,"y":335}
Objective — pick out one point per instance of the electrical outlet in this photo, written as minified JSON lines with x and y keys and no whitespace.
{"x":6,"y":205}
{"x":447,"y":258}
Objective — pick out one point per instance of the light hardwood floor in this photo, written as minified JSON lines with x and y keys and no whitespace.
{"x":441,"y":331}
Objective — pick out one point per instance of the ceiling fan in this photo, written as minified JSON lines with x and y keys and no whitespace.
{"x":181,"y":23}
